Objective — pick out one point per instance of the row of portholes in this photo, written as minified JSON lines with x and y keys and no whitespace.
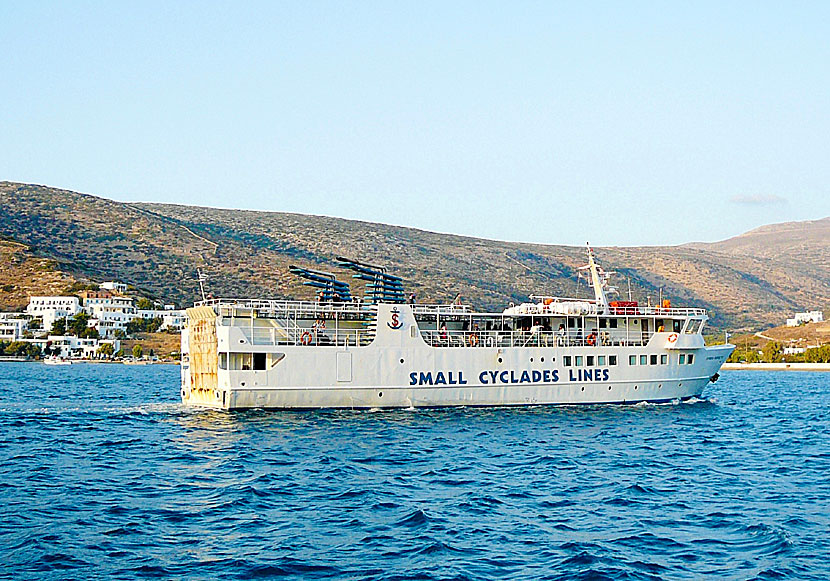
{"x":660,"y":386}
{"x":541,"y":360}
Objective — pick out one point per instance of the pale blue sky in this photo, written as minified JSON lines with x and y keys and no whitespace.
{"x":620,"y":123}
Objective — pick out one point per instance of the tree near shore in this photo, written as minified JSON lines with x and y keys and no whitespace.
{"x":137,"y":351}
{"x":106,"y":350}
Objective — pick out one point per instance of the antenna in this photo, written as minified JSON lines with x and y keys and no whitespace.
{"x":202,"y":279}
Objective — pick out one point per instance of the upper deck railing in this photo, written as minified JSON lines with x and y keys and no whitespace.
{"x":564,"y":308}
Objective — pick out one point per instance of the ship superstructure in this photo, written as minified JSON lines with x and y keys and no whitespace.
{"x":382,"y":352}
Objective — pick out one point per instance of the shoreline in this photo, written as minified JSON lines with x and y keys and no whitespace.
{"x":776,"y":366}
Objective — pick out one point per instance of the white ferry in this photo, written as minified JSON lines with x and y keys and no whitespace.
{"x":385,"y":352}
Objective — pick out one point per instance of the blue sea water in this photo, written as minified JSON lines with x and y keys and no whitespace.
{"x":104,"y":475}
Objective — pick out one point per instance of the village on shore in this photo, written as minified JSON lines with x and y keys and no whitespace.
{"x":110,"y":322}
{"x":96,"y":322}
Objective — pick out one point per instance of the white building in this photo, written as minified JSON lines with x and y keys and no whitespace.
{"x":112,"y":285}
{"x":53,"y":308}
{"x":110,"y":314}
{"x":171,"y":318}
{"x":71,"y":346}
{"x":12,"y":326}
{"x":808,"y":317}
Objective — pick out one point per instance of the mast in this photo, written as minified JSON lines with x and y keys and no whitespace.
{"x":598,"y":280}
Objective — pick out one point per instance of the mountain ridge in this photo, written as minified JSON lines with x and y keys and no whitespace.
{"x":158,"y":247}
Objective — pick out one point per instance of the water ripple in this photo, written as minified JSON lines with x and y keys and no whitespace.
{"x":103,"y":474}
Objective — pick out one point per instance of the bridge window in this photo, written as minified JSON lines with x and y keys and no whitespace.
{"x":632,"y":360}
{"x":653,"y":360}
{"x":682,"y":359}
{"x":664,"y":359}
{"x":691,"y":359}
{"x":643,"y":359}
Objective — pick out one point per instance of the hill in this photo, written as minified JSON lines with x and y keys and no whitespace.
{"x":158,"y":247}
{"x":22,"y":274}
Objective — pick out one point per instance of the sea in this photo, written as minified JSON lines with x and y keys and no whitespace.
{"x":104,"y":475}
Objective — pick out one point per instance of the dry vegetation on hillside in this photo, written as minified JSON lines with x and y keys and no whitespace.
{"x":23,"y":275}
{"x":158,"y":247}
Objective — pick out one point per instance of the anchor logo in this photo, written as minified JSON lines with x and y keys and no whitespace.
{"x":396,"y":322}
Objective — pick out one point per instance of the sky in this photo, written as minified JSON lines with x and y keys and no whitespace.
{"x":618,"y":123}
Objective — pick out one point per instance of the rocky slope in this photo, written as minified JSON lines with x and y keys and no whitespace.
{"x":158,"y":247}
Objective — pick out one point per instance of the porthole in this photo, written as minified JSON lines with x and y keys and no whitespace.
{"x":635,"y":387}
{"x":542,"y":359}
{"x":401,"y":360}
{"x":499,"y":359}
{"x":531,"y":359}
{"x":660,"y":386}
{"x":609,"y":388}
{"x":583,"y":388}
{"x":380,"y":394}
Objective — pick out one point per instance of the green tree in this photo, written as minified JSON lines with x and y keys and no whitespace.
{"x":58,"y":327}
{"x":137,"y":351}
{"x":144,"y":304}
{"x":106,"y":350}
{"x":773,"y":352}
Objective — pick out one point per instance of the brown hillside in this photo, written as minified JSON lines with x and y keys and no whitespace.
{"x":23,"y":275}
{"x":158,"y":247}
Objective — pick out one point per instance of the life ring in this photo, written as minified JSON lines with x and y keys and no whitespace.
{"x":591,"y":339}
{"x":305,"y":338}
{"x":491,"y":342}
{"x":672,"y":338}
{"x":473,"y":340}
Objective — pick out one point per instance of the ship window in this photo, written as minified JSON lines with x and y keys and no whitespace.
{"x":571,"y":323}
{"x":578,"y":360}
{"x":600,"y":360}
{"x":612,"y":323}
{"x":653,"y":360}
{"x":632,"y":360}
{"x":677,"y":324}
{"x":682,"y":359}
{"x":643,"y":359}
{"x":603,"y":323}
{"x":693,"y":326}
{"x":223,"y":361}
{"x":664,"y":359}
{"x":590,"y":361}
{"x":691,"y":359}
{"x":566,"y":360}
{"x":259,"y":361}
{"x":612,"y":359}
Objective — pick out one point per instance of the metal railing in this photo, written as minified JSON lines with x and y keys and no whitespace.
{"x":307,"y":336}
{"x":448,"y":338}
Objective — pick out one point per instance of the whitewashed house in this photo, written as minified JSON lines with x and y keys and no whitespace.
{"x":172,"y":319}
{"x":12,"y":326}
{"x":807,"y":317}
{"x":115,"y":286}
{"x":71,"y":346}
{"x":110,"y":313}
{"x":53,"y":308}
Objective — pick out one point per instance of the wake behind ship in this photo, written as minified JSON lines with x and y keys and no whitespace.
{"x":382,"y":352}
